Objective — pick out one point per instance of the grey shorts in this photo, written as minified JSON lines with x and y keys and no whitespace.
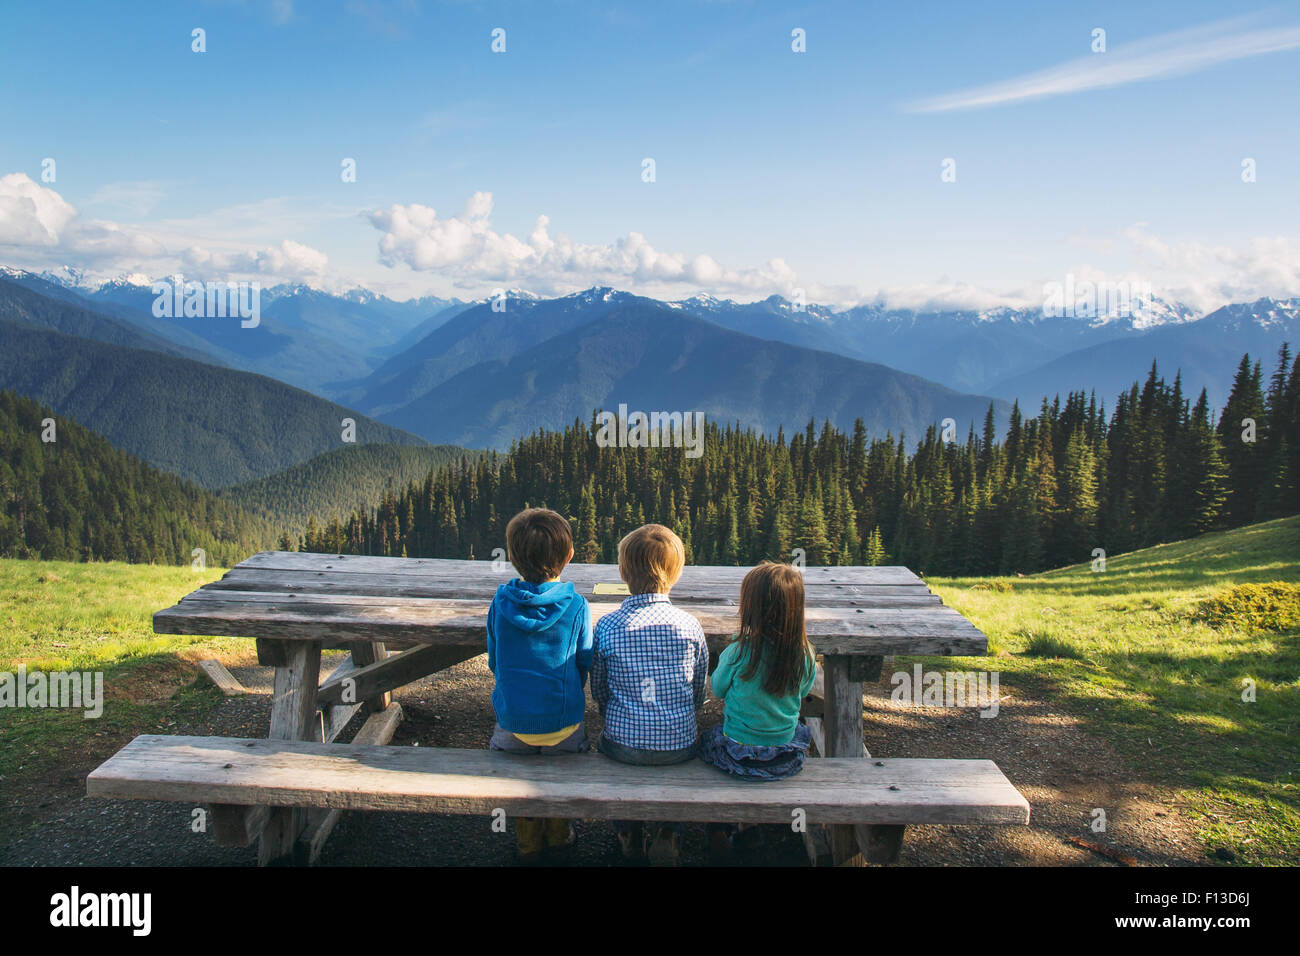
{"x":503,"y":739}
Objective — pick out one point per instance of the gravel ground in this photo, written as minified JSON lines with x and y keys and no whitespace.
{"x":1062,"y":771}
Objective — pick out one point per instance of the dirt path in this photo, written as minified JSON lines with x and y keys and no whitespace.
{"x":1064,"y":773}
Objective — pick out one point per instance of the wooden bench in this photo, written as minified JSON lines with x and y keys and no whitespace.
{"x":871,"y":796}
{"x":434,"y":611}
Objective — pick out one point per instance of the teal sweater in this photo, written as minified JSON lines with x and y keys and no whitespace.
{"x":752,"y":715}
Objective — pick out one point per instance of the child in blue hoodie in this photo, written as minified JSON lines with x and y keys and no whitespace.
{"x":539,"y":649}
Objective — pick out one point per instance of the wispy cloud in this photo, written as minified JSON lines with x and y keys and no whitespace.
{"x":1171,"y":54}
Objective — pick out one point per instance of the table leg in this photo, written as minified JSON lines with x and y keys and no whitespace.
{"x":293,"y":717}
{"x":843,"y":728}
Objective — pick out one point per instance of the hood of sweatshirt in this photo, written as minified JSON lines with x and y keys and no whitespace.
{"x":534,"y":607}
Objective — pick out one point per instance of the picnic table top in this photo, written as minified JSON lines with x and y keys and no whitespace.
{"x":338,"y":599}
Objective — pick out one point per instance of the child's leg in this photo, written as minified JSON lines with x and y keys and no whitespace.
{"x":559,"y":833}
{"x":531,"y":834}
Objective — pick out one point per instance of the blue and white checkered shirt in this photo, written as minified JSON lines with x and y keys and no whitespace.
{"x":648,"y":672}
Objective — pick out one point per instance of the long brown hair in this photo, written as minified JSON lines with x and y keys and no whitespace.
{"x":772,"y":627}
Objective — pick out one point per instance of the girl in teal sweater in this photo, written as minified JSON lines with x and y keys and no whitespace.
{"x":762,"y":677}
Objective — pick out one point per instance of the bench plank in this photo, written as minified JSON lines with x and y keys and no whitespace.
{"x":378,"y":729}
{"x":436,"y":780}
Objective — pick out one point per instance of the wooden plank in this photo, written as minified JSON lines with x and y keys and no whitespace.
{"x":843,"y":729}
{"x":578,"y":573}
{"x":929,"y":631}
{"x":234,"y":825}
{"x":293,"y":718}
{"x":225,"y":681}
{"x":377,"y":731}
{"x":879,"y":844}
{"x":337,"y":716}
{"x":818,"y":731}
{"x":817,"y":844}
{"x":437,"y":780}
{"x":363,"y":655}
{"x":817,"y":728}
{"x":380,"y":585}
{"x":394,"y":672}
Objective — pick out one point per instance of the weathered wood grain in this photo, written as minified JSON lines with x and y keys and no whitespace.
{"x":293,"y":718}
{"x":394,"y":672}
{"x":578,"y":573}
{"x":935,"y":630}
{"x":225,"y":681}
{"x":437,"y":780}
{"x":843,"y":729}
{"x":377,"y":731}
{"x":365,"y":653}
{"x":461,"y":586}
{"x":335,"y":717}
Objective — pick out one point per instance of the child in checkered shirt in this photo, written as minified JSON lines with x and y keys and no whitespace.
{"x":648,"y":672}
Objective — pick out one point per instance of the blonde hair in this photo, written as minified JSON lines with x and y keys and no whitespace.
{"x":650,"y":559}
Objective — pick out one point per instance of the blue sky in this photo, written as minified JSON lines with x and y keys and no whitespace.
{"x":774,"y":170}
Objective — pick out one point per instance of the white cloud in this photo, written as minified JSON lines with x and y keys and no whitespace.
{"x":1207,"y":276}
{"x":950,"y":295}
{"x":30,"y":214}
{"x":1171,"y":54}
{"x":288,"y":259}
{"x":466,"y":248}
{"x":39,"y":227}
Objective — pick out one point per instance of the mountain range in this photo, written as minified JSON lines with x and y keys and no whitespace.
{"x":221,"y":404}
{"x":198,"y":420}
{"x":650,"y":357}
{"x":304,"y":337}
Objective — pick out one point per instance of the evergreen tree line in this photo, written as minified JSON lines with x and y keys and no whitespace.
{"x":77,"y":498}
{"x":1057,"y":486}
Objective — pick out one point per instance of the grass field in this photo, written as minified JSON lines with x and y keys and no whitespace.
{"x":1130,"y":651}
{"x":60,"y":616}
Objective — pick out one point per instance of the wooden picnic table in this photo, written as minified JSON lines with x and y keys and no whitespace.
{"x":297,"y":604}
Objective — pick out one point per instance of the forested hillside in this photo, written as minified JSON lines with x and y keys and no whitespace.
{"x":338,"y":481}
{"x":1061,"y":483}
{"x":213,"y":425}
{"x":78,"y":498}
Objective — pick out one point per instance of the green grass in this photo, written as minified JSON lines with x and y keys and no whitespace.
{"x":61,"y":616}
{"x":1160,"y":647}
{"x":1156,"y":648}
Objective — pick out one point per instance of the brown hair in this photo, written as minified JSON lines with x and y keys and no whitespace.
{"x":772,"y":627}
{"x":650,"y":559}
{"x":538,"y":543}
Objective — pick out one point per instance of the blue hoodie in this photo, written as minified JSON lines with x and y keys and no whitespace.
{"x":539,"y":650}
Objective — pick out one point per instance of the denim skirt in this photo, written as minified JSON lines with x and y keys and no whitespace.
{"x":752,"y":760}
